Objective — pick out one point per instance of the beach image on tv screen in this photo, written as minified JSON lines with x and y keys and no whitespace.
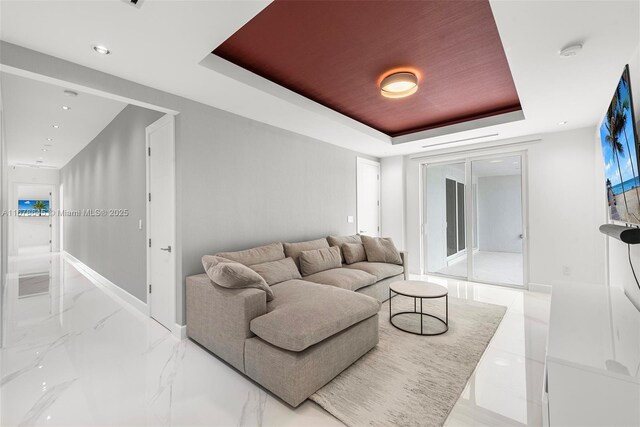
{"x":619,"y":148}
{"x":33,"y":208}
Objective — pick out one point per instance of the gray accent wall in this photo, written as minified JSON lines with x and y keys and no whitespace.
{"x":109,"y":173}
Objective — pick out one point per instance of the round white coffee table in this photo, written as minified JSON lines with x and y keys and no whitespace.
{"x":419,"y":290}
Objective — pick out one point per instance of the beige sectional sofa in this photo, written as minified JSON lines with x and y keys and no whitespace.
{"x":315,"y":326}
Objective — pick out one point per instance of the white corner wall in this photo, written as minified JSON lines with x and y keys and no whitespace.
{"x":565,"y":245}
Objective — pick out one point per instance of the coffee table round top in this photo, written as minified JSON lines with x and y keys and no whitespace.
{"x":418,"y":289}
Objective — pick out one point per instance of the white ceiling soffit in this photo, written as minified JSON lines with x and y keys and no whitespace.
{"x":31,"y":110}
{"x":162,"y":43}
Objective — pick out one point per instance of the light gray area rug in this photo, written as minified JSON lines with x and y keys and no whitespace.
{"x":412,"y":380}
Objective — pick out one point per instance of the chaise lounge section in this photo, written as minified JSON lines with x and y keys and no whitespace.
{"x":313,"y":328}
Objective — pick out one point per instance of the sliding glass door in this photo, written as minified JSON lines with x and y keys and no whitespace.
{"x":473,"y":219}
{"x":445,"y":228}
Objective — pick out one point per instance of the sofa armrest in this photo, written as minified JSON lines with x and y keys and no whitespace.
{"x":218,"y":318}
{"x":405,"y":263}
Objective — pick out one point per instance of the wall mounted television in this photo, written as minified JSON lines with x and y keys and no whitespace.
{"x":33,"y":208}
{"x":619,"y":139}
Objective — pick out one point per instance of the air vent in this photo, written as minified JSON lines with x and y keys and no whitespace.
{"x":136,"y":3}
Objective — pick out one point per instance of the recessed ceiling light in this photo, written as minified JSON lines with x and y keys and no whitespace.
{"x":66,"y":107}
{"x":56,"y":126}
{"x":49,"y":139}
{"x":563,"y":123}
{"x":70,"y":93}
{"x":399,"y":85}
{"x":571,"y":50}
{"x":45,"y":150}
{"x":101,"y":49}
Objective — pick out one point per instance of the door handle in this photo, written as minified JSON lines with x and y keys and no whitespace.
{"x":167,"y":249}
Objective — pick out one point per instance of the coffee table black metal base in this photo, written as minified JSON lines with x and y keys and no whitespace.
{"x":421,"y":313}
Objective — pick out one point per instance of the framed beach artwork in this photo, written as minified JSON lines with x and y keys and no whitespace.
{"x":619,"y":139}
{"x":33,"y":208}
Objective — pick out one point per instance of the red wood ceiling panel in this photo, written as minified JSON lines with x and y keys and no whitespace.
{"x":336,"y":53}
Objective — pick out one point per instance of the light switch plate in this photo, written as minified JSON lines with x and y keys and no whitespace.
{"x":350,"y":219}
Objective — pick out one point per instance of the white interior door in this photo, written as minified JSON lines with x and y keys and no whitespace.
{"x":161,"y":255}
{"x":368,"y":197}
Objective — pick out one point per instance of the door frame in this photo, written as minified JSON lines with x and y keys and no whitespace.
{"x":54,"y":220}
{"x":167,"y":119}
{"x":364,"y":161}
{"x":467,"y":158}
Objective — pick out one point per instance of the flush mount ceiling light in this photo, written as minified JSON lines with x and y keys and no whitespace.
{"x":70,"y":93}
{"x":66,"y":107}
{"x":49,"y":139}
{"x":399,"y":85}
{"x":101,"y":49}
{"x":571,"y":50}
{"x":45,"y":150}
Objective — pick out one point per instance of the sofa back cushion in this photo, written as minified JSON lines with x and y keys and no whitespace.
{"x":229,"y":274}
{"x":381,"y":249}
{"x":354,"y":252}
{"x":339,"y":241}
{"x":317,"y":260}
{"x":277,"y":271}
{"x":271,"y":252}
{"x":293,"y":250}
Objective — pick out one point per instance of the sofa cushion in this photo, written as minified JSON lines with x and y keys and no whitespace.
{"x":354,"y":252}
{"x":274,"y":272}
{"x":341,"y":240}
{"x":381,"y":249}
{"x":229,"y":274}
{"x":303,"y":314}
{"x":271,"y":252}
{"x":317,"y":260}
{"x":345,"y":278}
{"x":293,"y":249}
{"x":381,"y":270}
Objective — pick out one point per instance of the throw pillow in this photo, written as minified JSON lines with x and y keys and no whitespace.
{"x":230,"y":274}
{"x":318,"y":260}
{"x":354,"y":252}
{"x":341,"y":240}
{"x":277,"y":271}
{"x":381,"y":249}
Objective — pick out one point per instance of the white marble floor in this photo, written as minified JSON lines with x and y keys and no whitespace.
{"x":79,"y":356}
{"x":493,"y":267}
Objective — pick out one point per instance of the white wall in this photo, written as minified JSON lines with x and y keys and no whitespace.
{"x":17,"y":178}
{"x":392,"y":199}
{"x":564,"y":243}
{"x":499,"y":213}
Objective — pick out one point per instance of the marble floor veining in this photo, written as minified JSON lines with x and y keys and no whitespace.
{"x":77,"y":355}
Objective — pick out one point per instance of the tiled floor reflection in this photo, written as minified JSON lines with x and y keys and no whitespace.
{"x":74,"y":355}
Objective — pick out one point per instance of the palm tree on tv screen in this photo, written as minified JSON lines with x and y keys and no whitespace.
{"x":614,"y":129}
{"x":624,"y":107}
{"x":39,"y":206}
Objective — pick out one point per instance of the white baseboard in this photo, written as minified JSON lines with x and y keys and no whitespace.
{"x":538,"y":287}
{"x":178,"y":331}
{"x":108,"y":285}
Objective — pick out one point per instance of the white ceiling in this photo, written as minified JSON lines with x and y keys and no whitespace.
{"x":162,"y":44}
{"x":31,"y":109}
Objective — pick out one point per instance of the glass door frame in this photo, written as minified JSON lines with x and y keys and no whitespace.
{"x":467,"y":158}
